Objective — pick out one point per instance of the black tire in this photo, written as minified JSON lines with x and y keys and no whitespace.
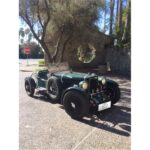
{"x":54,"y":89}
{"x":114,"y":92}
{"x":30,"y":86}
{"x":75,"y":104}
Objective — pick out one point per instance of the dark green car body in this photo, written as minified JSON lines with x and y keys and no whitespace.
{"x":95,"y":89}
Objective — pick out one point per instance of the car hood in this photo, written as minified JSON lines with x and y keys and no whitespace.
{"x":73,"y":75}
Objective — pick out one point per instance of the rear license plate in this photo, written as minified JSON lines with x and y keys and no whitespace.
{"x":104,"y":106}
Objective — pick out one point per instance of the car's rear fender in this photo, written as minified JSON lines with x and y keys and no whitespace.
{"x":77,"y":89}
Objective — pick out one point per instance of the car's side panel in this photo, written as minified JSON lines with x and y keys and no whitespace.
{"x":41,"y":82}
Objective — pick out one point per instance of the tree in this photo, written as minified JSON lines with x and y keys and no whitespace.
{"x":105,"y":12}
{"x":21,"y":52}
{"x":120,"y":14}
{"x":21,"y":35}
{"x":111,"y":16}
{"x":117,"y":11}
{"x":126,"y":33}
{"x":53,"y":23}
{"x":25,"y":35}
{"x":35,"y":50}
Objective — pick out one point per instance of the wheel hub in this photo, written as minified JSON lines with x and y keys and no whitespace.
{"x":73,"y":105}
{"x":27,"y":87}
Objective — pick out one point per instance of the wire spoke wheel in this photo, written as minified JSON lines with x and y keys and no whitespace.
{"x":53,"y":89}
{"x":75,"y":104}
{"x":27,"y":88}
{"x":111,"y":93}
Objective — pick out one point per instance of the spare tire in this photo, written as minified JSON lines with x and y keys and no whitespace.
{"x":75,"y":104}
{"x":54,"y":89}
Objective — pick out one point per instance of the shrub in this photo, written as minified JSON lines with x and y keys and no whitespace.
{"x":41,"y":62}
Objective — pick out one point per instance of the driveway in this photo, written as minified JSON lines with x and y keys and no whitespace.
{"x":46,"y":126}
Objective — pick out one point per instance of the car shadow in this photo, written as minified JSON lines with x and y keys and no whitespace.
{"x":117,"y":116}
{"x":116,"y":119}
{"x":43,"y":98}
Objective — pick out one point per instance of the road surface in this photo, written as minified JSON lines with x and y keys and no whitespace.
{"x":46,"y":126}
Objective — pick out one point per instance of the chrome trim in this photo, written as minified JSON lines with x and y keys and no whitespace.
{"x":86,"y":76}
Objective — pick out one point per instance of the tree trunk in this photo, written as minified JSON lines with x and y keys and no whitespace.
{"x":44,"y":46}
{"x":117,"y":11}
{"x":124,"y":37}
{"x":120,"y":15}
{"x":58,"y":46}
{"x":105,"y":17}
{"x":64,"y":46}
{"x":111,"y":16}
{"x":42,"y":43}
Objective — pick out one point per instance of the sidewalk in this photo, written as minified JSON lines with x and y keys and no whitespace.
{"x":25,"y":68}
{"x":33,"y":66}
{"x":29,"y":68}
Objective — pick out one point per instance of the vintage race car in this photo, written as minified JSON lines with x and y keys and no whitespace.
{"x":78,"y":92}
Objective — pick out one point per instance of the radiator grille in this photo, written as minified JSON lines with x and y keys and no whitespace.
{"x":93,"y":84}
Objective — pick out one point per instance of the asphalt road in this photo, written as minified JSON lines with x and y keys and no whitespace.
{"x":46,"y":126}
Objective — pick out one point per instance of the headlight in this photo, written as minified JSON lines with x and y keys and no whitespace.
{"x":103,"y":81}
{"x":83,"y":85}
{"x":99,"y":78}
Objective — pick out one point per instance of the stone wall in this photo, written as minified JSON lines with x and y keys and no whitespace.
{"x":92,"y":36}
{"x":98,"y":40}
{"x":119,"y":60}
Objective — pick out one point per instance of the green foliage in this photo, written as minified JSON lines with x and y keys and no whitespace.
{"x":41,"y":62}
{"x":58,"y":20}
{"x":30,"y":36}
{"x":21,"y":52}
{"x":40,"y":68}
{"x":86,"y":53}
{"x":25,"y":35}
{"x":35,"y":50}
{"x":123,"y":33}
{"x":54,"y":23}
{"x":21,"y":32}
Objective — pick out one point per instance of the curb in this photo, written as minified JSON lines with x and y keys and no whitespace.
{"x":26,"y":69}
{"x":22,"y":70}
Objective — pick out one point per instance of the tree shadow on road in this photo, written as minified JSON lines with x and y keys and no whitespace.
{"x":116,"y":120}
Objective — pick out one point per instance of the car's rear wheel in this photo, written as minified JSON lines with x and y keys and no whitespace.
{"x":30,"y":86}
{"x":54,"y":89}
{"x":75,"y":104}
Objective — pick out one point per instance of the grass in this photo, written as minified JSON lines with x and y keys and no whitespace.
{"x":41,"y":63}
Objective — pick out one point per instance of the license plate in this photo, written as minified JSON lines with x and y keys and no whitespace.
{"x":104,"y":106}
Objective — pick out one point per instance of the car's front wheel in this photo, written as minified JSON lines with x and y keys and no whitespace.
{"x":113,"y":92}
{"x":75,"y":104}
